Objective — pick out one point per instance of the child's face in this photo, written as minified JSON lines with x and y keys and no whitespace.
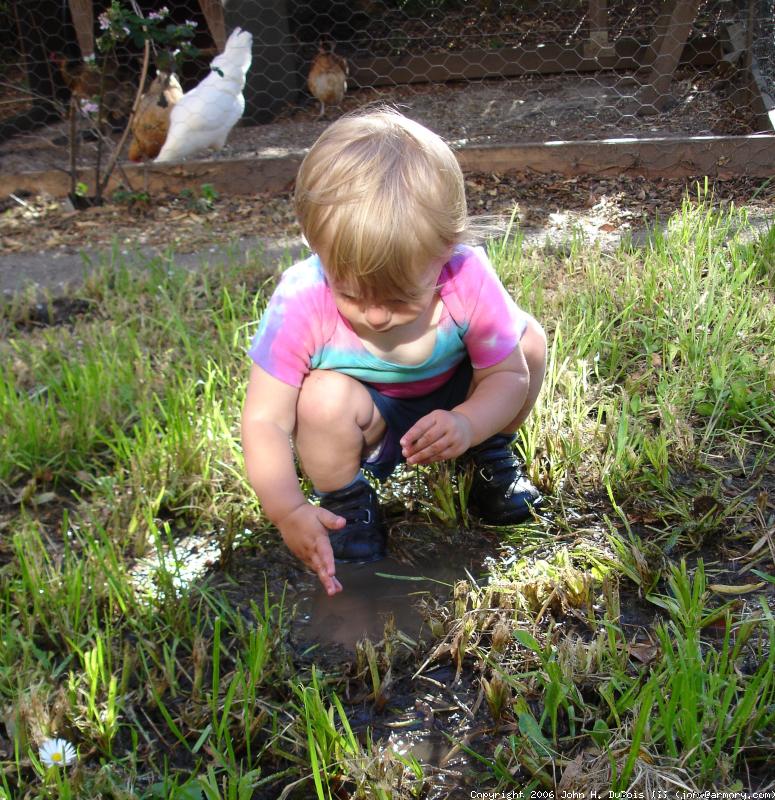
{"x":385,"y":314}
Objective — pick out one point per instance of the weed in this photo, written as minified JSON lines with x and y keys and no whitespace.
{"x":203,"y":202}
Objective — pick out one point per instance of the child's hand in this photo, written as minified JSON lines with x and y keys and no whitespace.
{"x":305,"y":532}
{"x":436,"y":437}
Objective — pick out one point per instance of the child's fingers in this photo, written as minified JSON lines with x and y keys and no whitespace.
{"x":323,"y":564}
{"x":330,"y":584}
{"x":325,"y":555}
{"x":330,"y":520}
{"x":429,"y":439}
{"x":436,"y":452}
{"x":411,"y":438}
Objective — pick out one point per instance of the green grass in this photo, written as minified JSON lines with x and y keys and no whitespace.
{"x":653,"y":439}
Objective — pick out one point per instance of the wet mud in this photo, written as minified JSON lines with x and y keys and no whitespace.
{"x":377,"y":592}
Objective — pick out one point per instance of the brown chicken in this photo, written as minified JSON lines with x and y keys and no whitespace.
{"x":152,"y":120}
{"x":86,"y":82}
{"x":327,"y":79}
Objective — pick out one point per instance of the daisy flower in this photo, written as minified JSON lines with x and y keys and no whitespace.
{"x":57,"y":753}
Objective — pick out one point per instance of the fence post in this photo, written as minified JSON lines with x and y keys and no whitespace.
{"x":598,"y":46}
{"x":213,"y":12}
{"x":82,"y":14}
{"x":669,"y":41}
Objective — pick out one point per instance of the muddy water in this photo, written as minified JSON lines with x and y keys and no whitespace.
{"x":374,"y":592}
{"x":422,"y":717}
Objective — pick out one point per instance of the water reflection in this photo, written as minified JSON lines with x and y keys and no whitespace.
{"x":373,"y":592}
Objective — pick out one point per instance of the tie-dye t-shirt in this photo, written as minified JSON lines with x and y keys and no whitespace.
{"x":302,"y":329}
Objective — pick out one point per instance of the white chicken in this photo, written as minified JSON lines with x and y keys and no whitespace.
{"x":203,"y":117}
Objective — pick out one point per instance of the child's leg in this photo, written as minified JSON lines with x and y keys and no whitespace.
{"x":336,"y":420}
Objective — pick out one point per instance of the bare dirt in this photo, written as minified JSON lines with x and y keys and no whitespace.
{"x":529,"y":108}
{"x":45,"y":243}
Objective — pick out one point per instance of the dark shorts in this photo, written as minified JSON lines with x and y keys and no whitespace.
{"x":400,"y":413}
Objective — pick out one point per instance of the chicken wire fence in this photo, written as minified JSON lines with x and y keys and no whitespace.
{"x":763,"y":41}
{"x":479,"y":72}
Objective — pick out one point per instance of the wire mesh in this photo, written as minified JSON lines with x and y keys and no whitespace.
{"x":483,"y":72}
{"x":763,"y":41}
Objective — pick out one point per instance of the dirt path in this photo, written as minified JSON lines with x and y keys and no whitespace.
{"x":46,"y":246}
{"x":53,"y":272}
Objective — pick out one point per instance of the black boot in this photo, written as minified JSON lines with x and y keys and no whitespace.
{"x":363,"y":538}
{"x":500,"y":492}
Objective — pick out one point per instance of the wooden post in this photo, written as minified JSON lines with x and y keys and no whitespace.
{"x":82,"y":14}
{"x":597,"y":45}
{"x":661,"y":27}
{"x":668,"y":44}
{"x":213,"y":11}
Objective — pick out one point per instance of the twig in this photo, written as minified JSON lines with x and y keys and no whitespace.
{"x":541,"y":613}
{"x":114,"y":158}
{"x":73,"y":148}
{"x":100,"y":140}
{"x":19,"y":201}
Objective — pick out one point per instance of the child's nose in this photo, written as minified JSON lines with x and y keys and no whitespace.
{"x":377,"y":316}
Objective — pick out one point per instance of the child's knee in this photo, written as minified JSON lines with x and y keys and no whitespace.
{"x":324,"y":397}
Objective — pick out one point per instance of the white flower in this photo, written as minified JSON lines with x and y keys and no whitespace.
{"x":89,"y":106}
{"x":57,"y":753}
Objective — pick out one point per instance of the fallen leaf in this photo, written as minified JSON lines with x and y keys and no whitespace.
{"x":43,"y":497}
{"x":758,"y":546}
{"x":645,"y":653}
{"x":742,"y":588}
{"x":571,"y":774}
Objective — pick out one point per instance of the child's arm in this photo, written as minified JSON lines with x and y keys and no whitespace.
{"x":268,"y":420}
{"x":499,"y":392}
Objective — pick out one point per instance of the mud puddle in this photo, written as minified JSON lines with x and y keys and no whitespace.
{"x":376,"y":592}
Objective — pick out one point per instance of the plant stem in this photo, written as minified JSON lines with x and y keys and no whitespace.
{"x":73,"y":148}
{"x":117,"y":152}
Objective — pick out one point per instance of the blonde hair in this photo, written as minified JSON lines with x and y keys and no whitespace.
{"x":379,"y":197}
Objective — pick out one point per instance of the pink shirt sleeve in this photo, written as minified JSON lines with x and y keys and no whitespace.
{"x":493,"y":323}
{"x":294,"y":325}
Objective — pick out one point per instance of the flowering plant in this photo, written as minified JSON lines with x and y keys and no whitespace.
{"x":119,"y":24}
{"x":171,"y":43}
{"x":57,"y":753}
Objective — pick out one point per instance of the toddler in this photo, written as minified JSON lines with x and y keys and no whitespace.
{"x":393,"y":341}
